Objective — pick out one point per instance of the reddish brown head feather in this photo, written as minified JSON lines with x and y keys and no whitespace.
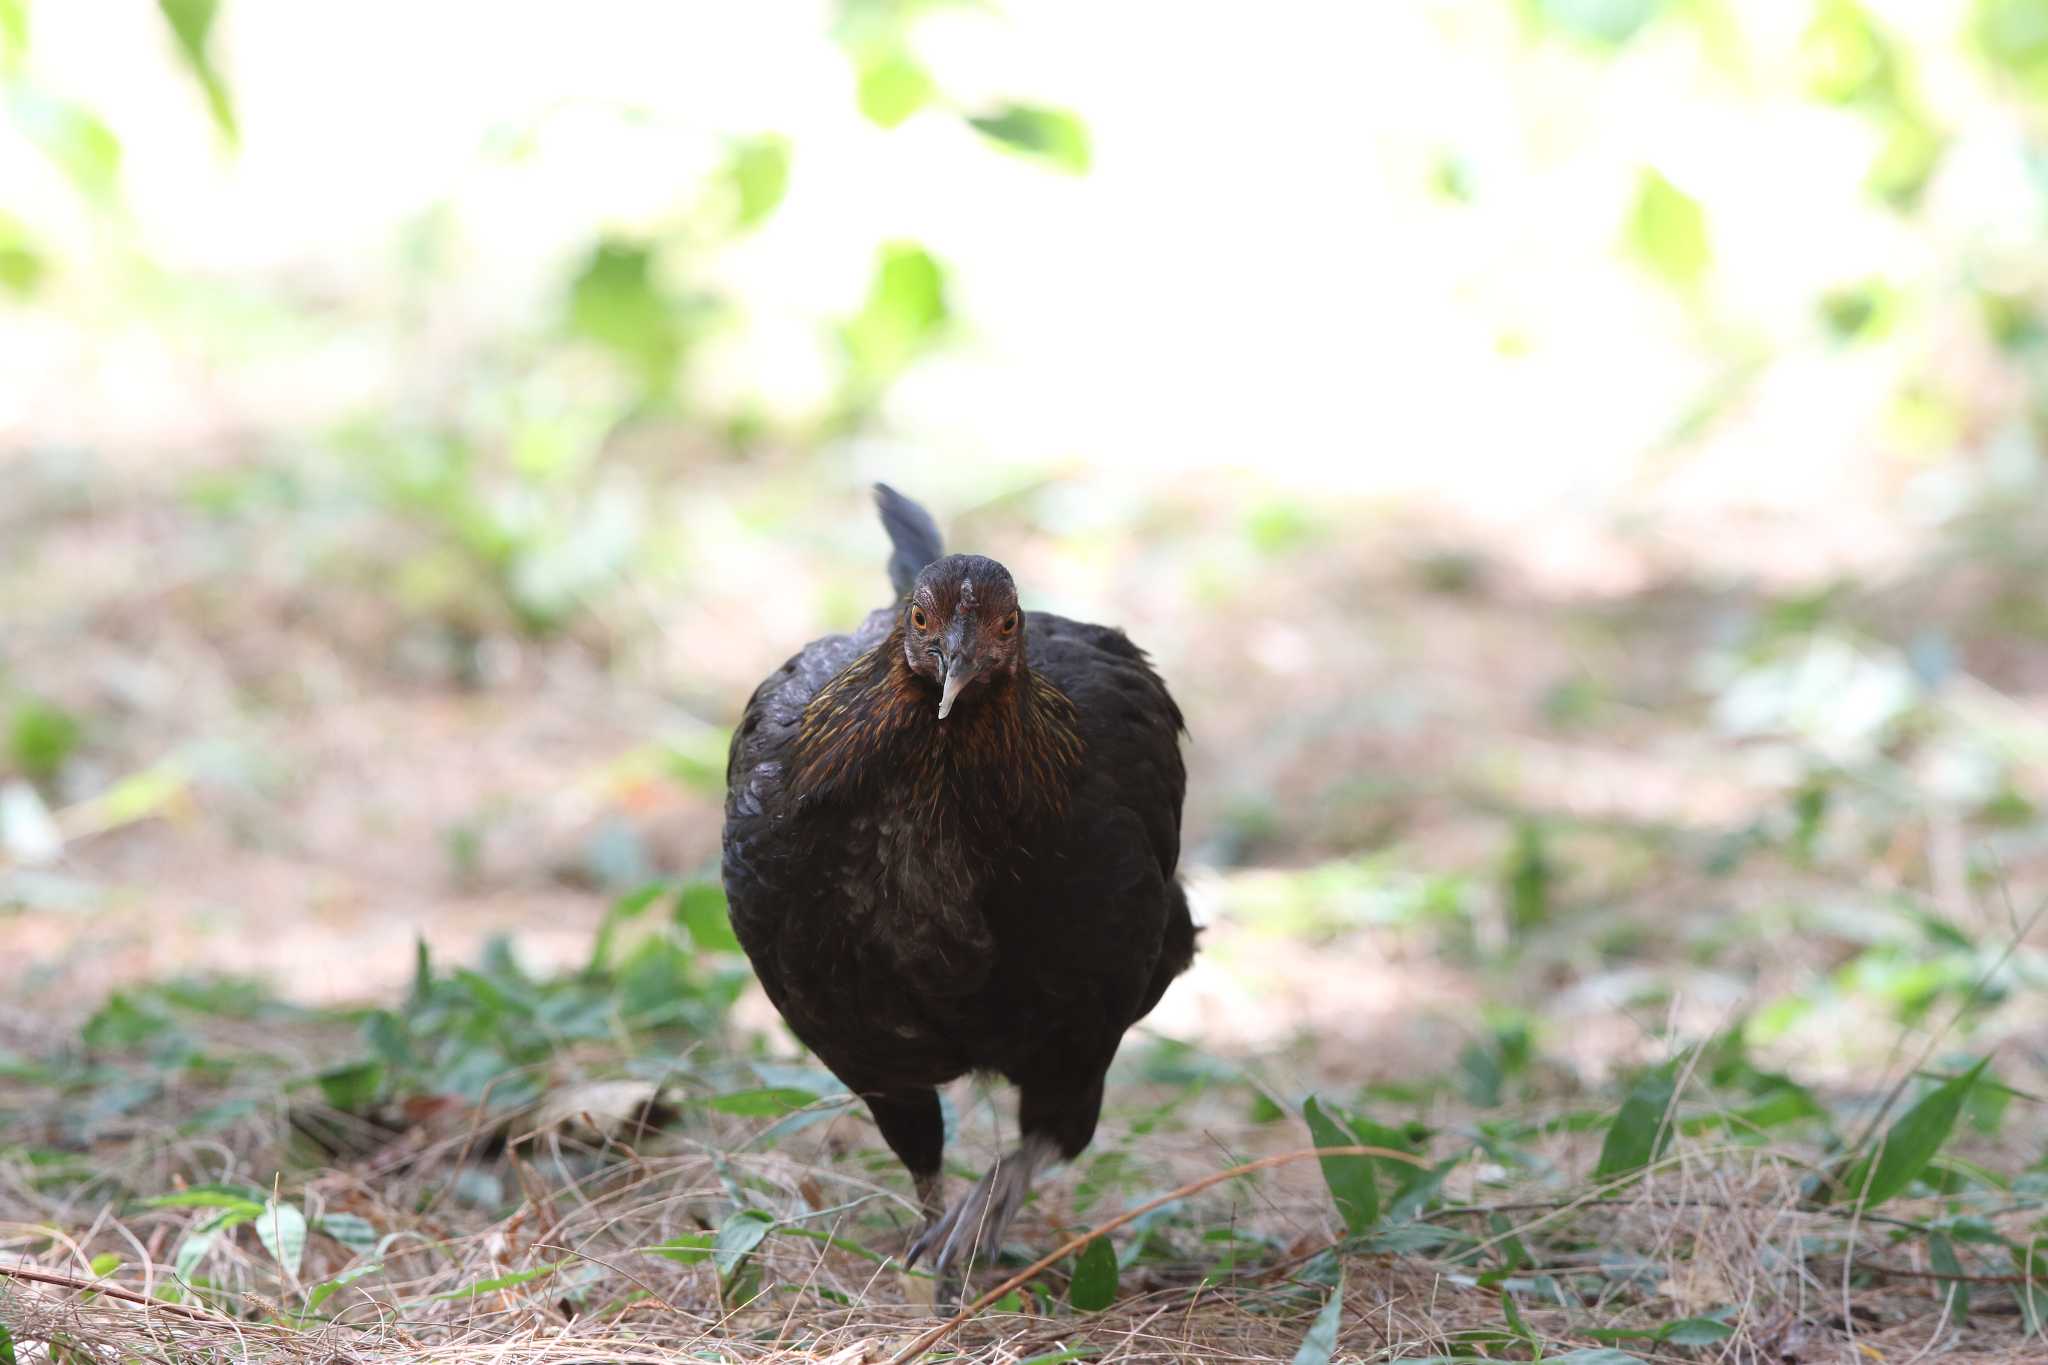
{"x":1017,"y":746}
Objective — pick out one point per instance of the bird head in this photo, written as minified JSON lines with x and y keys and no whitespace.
{"x":961,"y":625}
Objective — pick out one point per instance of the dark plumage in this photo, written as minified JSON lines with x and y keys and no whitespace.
{"x":950,"y":842}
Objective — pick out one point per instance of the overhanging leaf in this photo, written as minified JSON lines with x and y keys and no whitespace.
{"x":1054,"y":136}
{"x":758,"y":170}
{"x":83,"y":147}
{"x":1639,"y":1133}
{"x":1602,"y":23}
{"x":892,"y":87}
{"x":1667,"y":230}
{"x":191,"y":24}
{"x":1093,"y":1287}
{"x":21,"y":271}
{"x":617,"y":301}
{"x":905,"y":309}
{"x":13,"y":50}
{"x":2013,"y":36}
{"x":1350,"y":1178}
{"x":1911,"y":1142}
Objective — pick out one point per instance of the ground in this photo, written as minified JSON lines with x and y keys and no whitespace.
{"x":1495,"y":836}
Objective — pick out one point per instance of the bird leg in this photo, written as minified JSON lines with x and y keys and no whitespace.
{"x":931,"y":1202}
{"x":973,"y":1228}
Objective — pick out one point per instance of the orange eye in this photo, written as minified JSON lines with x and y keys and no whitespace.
{"x":1009,"y":626}
{"x":919,"y":619}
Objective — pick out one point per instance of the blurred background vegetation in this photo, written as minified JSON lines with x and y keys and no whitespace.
{"x":1579,"y":462}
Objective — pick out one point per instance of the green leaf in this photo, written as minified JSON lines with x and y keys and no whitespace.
{"x":21,"y":262}
{"x":1667,"y":230}
{"x":625,"y":908}
{"x":354,"y":1087}
{"x":1848,"y":58}
{"x":1639,"y":1133}
{"x":758,"y":170}
{"x":2031,"y":1261}
{"x":351,"y":1230}
{"x":1912,"y":149}
{"x":1530,"y":875}
{"x":2013,"y":36}
{"x":1350,"y":1178}
{"x":192,"y":24}
{"x":1051,"y":135}
{"x":104,"y":1264}
{"x":41,"y":737}
{"x":192,"y":1249}
{"x":1321,"y":1342}
{"x":327,"y":1289}
{"x":1602,"y":23}
{"x":616,"y":301}
{"x":512,"y":1281}
{"x":13,"y":51}
{"x":83,"y":147}
{"x":892,"y":87}
{"x":1694,"y":1332}
{"x":1595,"y":1356}
{"x":1513,"y":1317}
{"x":245,"y":1200}
{"x":1093,"y":1287}
{"x":1911,"y":1142}
{"x":737,"y":1237}
{"x":1941,"y":1254}
{"x":700,"y":908}
{"x":1051,"y":1357}
{"x":6,"y":1346}
{"x":768,"y":1101}
{"x":687,"y":1249}
{"x":906,"y":309}
{"x":282,"y":1230}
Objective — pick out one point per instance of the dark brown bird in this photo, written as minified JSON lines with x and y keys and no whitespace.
{"x":950,"y":842}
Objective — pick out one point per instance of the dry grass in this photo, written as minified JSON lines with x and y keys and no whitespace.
{"x":1716,"y":1226}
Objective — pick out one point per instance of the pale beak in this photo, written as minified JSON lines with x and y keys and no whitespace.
{"x":956,"y":678}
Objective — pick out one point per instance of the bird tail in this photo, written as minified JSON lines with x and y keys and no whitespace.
{"x":913,"y":537}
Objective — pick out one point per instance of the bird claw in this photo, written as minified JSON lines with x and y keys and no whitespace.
{"x":972,"y":1230}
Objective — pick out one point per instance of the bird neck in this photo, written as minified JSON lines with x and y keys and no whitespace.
{"x":1011,"y":745}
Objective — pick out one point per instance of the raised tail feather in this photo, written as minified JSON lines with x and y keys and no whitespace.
{"x":913,"y":537}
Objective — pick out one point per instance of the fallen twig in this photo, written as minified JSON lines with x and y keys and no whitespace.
{"x":115,"y":1291}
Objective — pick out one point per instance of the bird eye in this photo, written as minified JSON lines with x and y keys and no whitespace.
{"x":918,"y":618}
{"x":1009,"y":626}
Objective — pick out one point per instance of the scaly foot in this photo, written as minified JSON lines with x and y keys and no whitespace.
{"x":972,"y":1230}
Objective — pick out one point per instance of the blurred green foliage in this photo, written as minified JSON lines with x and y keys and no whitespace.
{"x":40,"y":737}
{"x":192,"y":23}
